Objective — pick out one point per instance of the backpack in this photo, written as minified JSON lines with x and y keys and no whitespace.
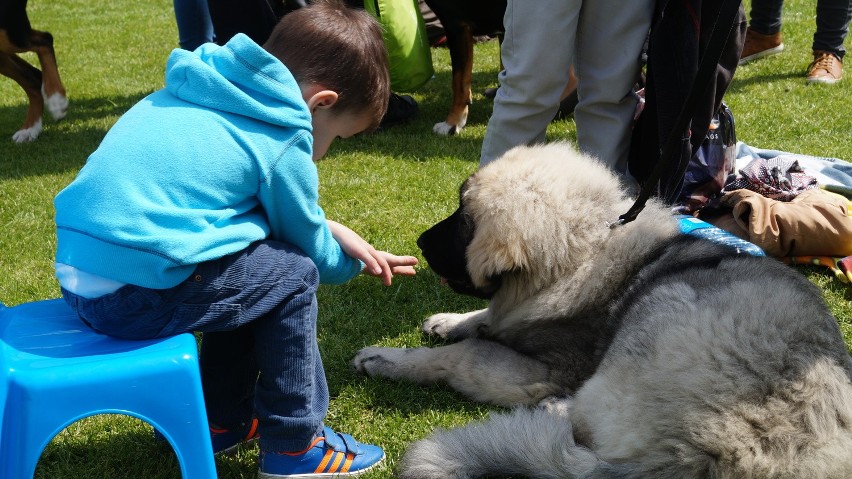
{"x":693,"y":51}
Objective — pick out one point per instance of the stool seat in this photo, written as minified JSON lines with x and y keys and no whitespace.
{"x":55,"y":370}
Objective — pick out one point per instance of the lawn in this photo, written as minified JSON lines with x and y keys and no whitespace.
{"x":388,"y":186}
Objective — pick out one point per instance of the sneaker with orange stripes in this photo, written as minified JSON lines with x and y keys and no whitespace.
{"x":226,"y":441}
{"x":330,"y":455}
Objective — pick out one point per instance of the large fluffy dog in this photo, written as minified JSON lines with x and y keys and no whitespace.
{"x":674,"y":357}
{"x":43,"y":87}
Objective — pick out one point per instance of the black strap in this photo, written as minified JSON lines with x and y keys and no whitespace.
{"x":706,"y":73}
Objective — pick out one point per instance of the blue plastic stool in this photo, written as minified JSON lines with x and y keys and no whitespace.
{"x":55,"y":370}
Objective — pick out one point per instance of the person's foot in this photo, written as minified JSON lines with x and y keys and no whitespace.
{"x":826,"y":68}
{"x":401,"y":108}
{"x":330,"y":455}
{"x":758,"y":45}
{"x":226,"y":441}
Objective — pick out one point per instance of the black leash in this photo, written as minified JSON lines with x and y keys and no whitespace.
{"x":725,"y":17}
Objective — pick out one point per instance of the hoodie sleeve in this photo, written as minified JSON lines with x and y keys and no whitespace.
{"x":289,"y":194}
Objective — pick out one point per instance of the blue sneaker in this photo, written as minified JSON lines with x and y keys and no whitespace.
{"x":330,"y":455}
{"x":226,"y":441}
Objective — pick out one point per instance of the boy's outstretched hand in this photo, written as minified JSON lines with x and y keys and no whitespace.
{"x":376,"y":263}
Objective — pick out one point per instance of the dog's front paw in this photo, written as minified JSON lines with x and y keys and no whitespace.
{"x":456,"y":326}
{"x":378,"y":362}
{"x":26,"y":135}
{"x":57,"y":104}
{"x":443,"y":325}
{"x":444,"y":128}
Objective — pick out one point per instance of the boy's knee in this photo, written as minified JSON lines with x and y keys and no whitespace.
{"x":308,"y":269}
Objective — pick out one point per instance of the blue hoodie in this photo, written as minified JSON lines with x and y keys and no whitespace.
{"x":218,"y":159}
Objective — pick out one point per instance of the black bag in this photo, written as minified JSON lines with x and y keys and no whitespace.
{"x":693,"y":51}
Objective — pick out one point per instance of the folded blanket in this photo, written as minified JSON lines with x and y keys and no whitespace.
{"x":841,"y":267}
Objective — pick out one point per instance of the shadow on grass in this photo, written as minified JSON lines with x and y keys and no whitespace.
{"x":744,"y":81}
{"x":415,"y":140}
{"x":364,"y":313}
{"x":62,"y":146}
{"x":107,"y":445}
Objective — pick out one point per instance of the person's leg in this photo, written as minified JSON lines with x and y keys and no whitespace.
{"x":537,"y":52}
{"x":763,"y":35}
{"x":832,"y":26}
{"x":193,"y":23}
{"x":269,"y":352}
{"x":229,"y":374}
{"x":765,"y":16}
{"x":261,"y":299}
{"x":255,"y":18}
{"x":609,"y":46}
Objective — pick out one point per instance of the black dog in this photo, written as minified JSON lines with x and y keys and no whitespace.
{"x":41,"y":86}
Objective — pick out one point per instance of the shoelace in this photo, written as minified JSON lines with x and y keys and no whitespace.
{"x":825,"y":62}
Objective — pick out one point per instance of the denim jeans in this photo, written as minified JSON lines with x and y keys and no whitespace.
{"x":832,"y":22}
{"x":256,"y":310}
{"x":193,"y":23}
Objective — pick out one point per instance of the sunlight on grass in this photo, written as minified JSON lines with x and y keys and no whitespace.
{"x":389,"y":186}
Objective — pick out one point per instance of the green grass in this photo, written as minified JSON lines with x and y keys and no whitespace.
{"x":388,"y":186}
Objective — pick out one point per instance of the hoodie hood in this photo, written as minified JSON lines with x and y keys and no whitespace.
{"x":239,"y":77}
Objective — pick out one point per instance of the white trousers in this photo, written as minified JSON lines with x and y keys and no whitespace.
{"x":603,"y":40}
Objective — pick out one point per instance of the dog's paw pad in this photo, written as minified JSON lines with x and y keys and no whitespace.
{"x":444,"y":128}
{"x":26,"y":135}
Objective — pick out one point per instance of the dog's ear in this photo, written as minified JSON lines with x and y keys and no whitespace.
{"x":493,"y":252}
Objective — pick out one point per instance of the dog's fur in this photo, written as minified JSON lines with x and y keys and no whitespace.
{"x":640,"y":352}
{"x":43,"y":87}
{"x":462,"y":20}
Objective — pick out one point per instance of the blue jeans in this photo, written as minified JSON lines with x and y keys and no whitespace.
{"x":257,"y":311}
{"x":193,"y":23}
{"x":832,"y":22}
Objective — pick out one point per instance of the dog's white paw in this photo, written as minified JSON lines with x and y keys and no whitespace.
{"x":374,"y":361}
{"x":444,"y":128}
{"x":57,"y":105}
{"x":443,"y":324}
{"x":27,"y":134}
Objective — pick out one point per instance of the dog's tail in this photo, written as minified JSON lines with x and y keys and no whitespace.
{"x":525,"y":442}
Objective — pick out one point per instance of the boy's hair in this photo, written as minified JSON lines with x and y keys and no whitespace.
{"x":340,"y":48}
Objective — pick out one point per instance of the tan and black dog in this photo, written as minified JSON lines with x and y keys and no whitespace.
{"x":43,"y":87}
{"x":462,"y":20}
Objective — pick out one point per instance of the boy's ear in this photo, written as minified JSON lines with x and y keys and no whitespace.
{"x":317,"y":97}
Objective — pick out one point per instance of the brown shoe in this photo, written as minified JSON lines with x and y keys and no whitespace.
{"x":758,"y":45}
{"x":826,"y":68}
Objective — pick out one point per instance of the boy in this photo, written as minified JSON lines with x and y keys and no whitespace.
{"x":198,"y":212}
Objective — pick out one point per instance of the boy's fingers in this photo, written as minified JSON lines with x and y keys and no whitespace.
{"x":407,"y":260}
{"x":404,"y":270}
{"x":386,"y":270}
{"x":371,"y":259}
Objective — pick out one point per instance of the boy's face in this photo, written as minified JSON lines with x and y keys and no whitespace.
{"x":329,"y":125}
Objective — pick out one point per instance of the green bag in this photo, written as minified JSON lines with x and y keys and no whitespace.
{"x":409,"y":56}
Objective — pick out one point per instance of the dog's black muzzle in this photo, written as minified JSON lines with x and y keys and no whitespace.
{"x":444,"y":246}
